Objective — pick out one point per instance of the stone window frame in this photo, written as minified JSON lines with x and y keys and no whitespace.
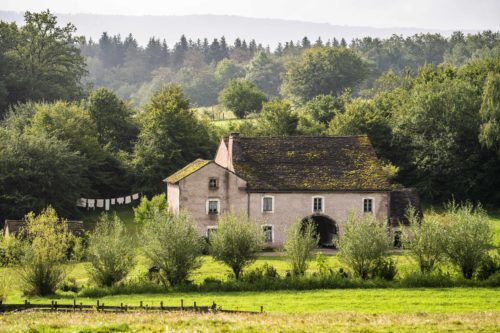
{"x":273,"y":203}
{"x":372,"y":205}
{"x":211,"y":228}
{"x":216,"y":179}
{"x":322,"y":211}
{"x":208,"y":205}
{"x":272,"y":231}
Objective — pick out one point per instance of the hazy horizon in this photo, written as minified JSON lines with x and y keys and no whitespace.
{"x":421,"y":14}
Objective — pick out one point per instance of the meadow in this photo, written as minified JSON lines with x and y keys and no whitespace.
{"x":335,"y":310}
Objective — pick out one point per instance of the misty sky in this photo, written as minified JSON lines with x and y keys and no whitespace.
{"x":440,"y":14}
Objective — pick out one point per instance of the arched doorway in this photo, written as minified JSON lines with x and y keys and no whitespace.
{"x":326,"y":229}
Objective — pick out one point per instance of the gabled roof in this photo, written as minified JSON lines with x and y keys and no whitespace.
{"x":340,"y":163}
{"x":186,"y":171}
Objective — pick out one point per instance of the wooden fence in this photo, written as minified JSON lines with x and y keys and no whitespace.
{"x":101,"y":307}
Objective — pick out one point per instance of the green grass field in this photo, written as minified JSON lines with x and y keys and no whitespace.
{"x":337,"y":310}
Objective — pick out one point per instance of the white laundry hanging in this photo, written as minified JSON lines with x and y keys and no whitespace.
{"x":99,"y":203}
{"x":91,"y":203}
{"x":135,"y":196}
{"x":113,"y":201}
{"x":106,"y":204}
{"x":82,"y":202}
{"x":120,"y":200}
{"x":128,"y":199}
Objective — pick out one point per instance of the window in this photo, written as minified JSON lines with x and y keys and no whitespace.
{"x":268,"y":233}
{"x":368,"y":205}
{"x":211,"y":230}
{"x":267,"y":204}
{"x":213,"y":206}
{"x":317,"y":205}
{"x":213,"y":183}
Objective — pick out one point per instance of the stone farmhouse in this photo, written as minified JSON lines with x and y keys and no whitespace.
{"x":277,"y":180}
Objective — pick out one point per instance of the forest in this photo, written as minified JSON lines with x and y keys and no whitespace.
{"x":104,"y":118}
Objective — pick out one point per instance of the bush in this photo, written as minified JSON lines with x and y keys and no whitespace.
{"x":110,"y":252}
{"x":261,"y":273}
{"x":489,"y":266}
{"x":46,"y":240}
{"x":148,"y":209}
{"x":385,"y":269}
{"x":70,"y":285}
{"x":363,"y":244}
{"x":172,"y":244}
{"x":11,"y":251}
{"x":300,"y":243}
{"x":425,"y":239}
{"x":468,"y":237}
{"x":236,"y":242}
{"x":427,"y":280}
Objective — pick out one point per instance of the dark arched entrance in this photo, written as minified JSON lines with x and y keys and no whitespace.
{"x":326,"y":229}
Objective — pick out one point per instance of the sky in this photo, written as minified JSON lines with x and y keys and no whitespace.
{"x":438,"y":14}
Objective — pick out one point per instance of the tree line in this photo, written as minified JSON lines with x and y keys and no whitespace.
{"x":429,"y":104}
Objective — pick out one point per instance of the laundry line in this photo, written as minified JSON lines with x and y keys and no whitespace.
{"x":106,"y":203}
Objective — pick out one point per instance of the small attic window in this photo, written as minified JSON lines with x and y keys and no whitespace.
{"x":213,"y":183}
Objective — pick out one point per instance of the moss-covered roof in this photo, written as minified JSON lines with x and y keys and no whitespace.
{"x":341,"y":163}
{"x":186,"y":171}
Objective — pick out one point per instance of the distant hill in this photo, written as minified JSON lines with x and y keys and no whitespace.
{"x":265,"y":31}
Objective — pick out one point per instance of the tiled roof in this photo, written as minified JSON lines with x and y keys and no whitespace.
{"x":341,"y":163}
{"x":186,"y":171}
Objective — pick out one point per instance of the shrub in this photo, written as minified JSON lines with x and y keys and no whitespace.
{"x":236,"y":242}
{"x":385,"y":269}
{"x":425,"y":239}
{"x":171,"y":243}
{"x":323,"y":267}
{"x":468,"y":237}
{"x":69,"y":285}
{"x":427,"y":280}
{"x":363,"y":243}
{"x":301,"y":241}
{"x":110,"y":252}
{"x":11,"y":250}
{"x":261,"y":273}
{"x":489,"y":266}
{"x":148,"y":209}
{"x":46,"y":240}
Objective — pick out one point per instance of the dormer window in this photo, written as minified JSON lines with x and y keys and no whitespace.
{"x":318,"y":205}
{"x":213,"y":183}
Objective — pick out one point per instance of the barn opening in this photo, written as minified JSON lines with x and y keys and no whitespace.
{"x":326,"y":229}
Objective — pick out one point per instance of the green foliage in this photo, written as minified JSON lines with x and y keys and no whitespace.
{"x":111,"y":252}
{"x":490,"y":112}
{"x":172,"y":244}
{"x":264,"y":72}
{"x":46,"y":240}
{"x":323,"y":108}
{"x":228,"y":70}
{"x":148,"y":209}
{"x":112,"y":118}
{"x":300,"y":242}
{"x":490,"y":265}
{"x":468,"y":237}
{"x":36,"y":171}
{"x":42,"y":59}
{"x":277,"y":119}
{"x":323,"y":71}
{"x":236,"y":242}
{"x":170,"y":137}
{"x":425,"y":239}
{"x":363,"y":243}
{"x":11,"y":250}
{"x":385,"y":268}
{"x":242,"y":97}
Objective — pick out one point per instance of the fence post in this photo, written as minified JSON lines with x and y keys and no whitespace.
{"x":161,"y":305}
{"x":26,"y":303}
{"x":182,"y":304}
{"x":140,"y":305}
{"x":261,"y":309}
{"x":195,"y":306}
{"x":55,"y":304}
{"x":97,"y":305}
{"x":81,"y":306}
{"x":102,"y":307}
{"x":74,"y":305}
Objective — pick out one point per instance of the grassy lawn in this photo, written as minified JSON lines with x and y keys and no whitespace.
{"x":335,"y":310}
